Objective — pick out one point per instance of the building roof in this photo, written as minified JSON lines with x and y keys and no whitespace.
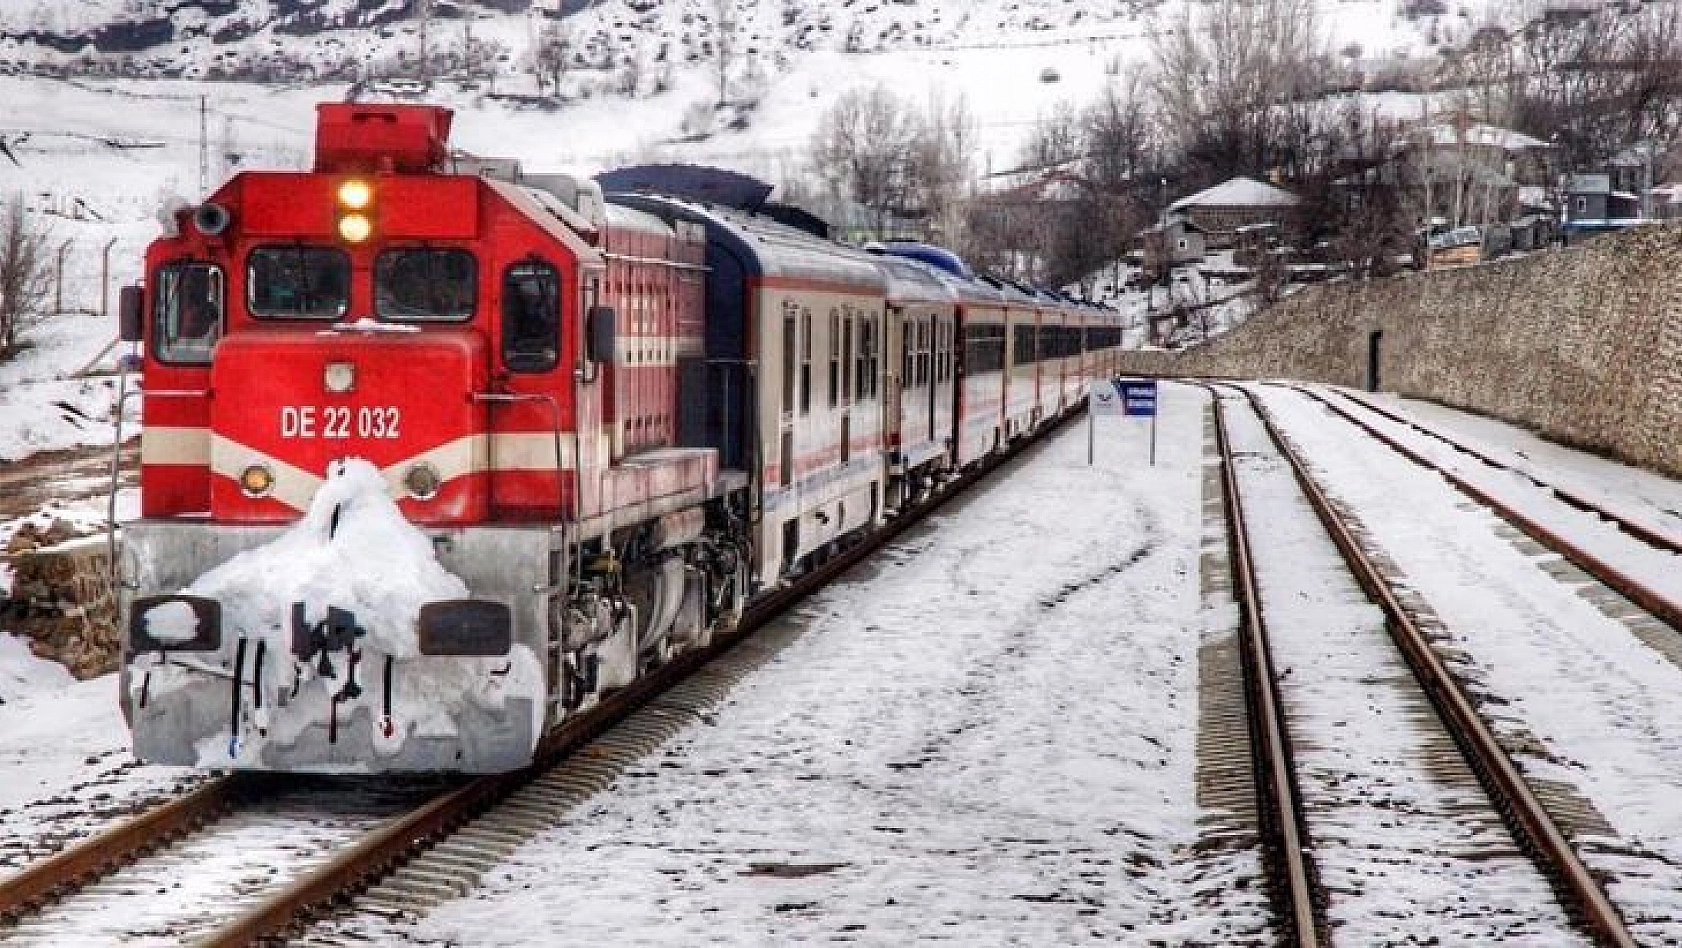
{"x":1450,"y":135}
{"x":1239,"y":192}
{"x":1589,"y":184}
{"x":1172,"y":223}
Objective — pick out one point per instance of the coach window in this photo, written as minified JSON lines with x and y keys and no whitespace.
{"x":874,"y":370}
{"x":422,"y":285}
{"x":531,"y":317}
{"x":861,"y":362}
{"x":805,"y":361}
{"x":790,"y":312}
{"x":187,"y":313}
{"x":845,"y":354}
{"x":298,"y":282}
{"x":834,"y":357}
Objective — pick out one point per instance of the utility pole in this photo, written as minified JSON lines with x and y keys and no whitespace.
{"x":58,"y":277}
{"x":424,"y":8}
{"x":204,"y":149}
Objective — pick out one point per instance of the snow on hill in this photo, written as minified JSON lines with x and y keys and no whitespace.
{"x":100,"y":154}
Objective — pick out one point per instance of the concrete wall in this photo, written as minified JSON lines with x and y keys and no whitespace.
{"x":1584,"y":345}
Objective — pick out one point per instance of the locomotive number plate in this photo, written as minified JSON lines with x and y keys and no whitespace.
{"x":340,"y":421}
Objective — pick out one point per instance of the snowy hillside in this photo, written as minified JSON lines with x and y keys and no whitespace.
{"x":99,"y":154}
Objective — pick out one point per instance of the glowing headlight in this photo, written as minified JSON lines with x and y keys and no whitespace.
{"x":355,"y":194}
{"x":355,"y":228}
{"x":422,"y":481}
{"x":256,"y":480}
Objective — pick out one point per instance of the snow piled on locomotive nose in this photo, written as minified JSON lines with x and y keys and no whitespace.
{"x":352,"y":550}
{"x":368,"y":703}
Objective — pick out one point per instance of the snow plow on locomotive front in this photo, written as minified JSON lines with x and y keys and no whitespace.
{"x":393,"y":515}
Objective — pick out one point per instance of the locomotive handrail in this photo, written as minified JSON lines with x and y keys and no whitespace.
{"x":124,"y":393}
{"x":510,"y":398}
{"x":656,"y":261}
{"x":176,"y":392}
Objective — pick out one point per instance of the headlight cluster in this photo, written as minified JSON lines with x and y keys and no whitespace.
{"x":356,"y":208}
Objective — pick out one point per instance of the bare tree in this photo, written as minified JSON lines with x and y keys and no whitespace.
{"x":939,"y":172}
{"x":1358,"y":205}
{"x":862,"y":151}
{"x":1601,"y":82}
{"x":1240,"y":83}
{"x":25,"y":279}
{"x":423,"y":39}
{"x":476,"y":57}
{"x":552,"y":56}
{"x":1122,"y":161}
{"x":1055,"y":138}
{"x":726,"y":44}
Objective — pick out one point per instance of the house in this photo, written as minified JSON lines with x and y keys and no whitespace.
{"x":1221,"y":210}
{"x":1592,"y":205}
{"x":1473,"y":173}
{"x":1171,"y":243}
{"x":1515,"y":155}
{"x":1667,"y":201}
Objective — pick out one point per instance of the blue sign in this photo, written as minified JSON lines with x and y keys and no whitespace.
{"x":1138,"y":396}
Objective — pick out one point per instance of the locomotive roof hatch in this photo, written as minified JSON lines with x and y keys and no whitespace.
{"x":361,"y":137}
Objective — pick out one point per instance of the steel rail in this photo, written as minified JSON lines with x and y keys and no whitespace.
{"x":389,"y":847}
{"x":101,"y":854}
{"x":1662,"y":608}
{"x":1529,"y":820}
{"x":1280,"y":809}
{"x":1640,"y":531}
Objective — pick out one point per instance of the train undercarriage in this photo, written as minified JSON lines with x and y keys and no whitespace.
{"x":544,"y":626}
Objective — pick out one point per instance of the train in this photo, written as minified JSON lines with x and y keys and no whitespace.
{"x":612,"y":410}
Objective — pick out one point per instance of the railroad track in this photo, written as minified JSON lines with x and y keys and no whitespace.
{"x":462,"y":830}
{"x":1294,"y":863}
{"x":1596,"y":564}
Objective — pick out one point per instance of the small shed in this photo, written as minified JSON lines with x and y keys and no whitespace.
{"x":1171,"y":243}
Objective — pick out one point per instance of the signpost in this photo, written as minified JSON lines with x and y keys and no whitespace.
{"x":1102,"y":398}
{"x":1134,"y":398}
{"x":1138,"y":398}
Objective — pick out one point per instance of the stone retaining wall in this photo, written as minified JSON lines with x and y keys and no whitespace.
{"x":1583,"y":344}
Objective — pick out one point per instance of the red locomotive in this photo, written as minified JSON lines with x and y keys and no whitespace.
{"x":615,"y":418}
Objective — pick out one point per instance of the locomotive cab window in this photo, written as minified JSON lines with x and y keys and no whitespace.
{"x":531,"y":317}
{"x":298,"y":282}
{"x":187,"y":313}
{"x":425,"y":285}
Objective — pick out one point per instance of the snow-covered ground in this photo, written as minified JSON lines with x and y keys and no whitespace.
{"x":1567,"y":679}
{"x":989,"y":736}
{"x":1398,"y":830}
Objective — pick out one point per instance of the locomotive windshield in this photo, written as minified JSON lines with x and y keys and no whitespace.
{"x":421,"y":285}
{"x":187,"y":313}
{"x":298,"y":282}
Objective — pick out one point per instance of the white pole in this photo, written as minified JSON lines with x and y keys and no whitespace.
{"x":1089,"y":423}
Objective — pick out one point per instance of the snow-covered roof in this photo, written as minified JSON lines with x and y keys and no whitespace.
{"x":1589,"y":184}
{"x":1239,"y":192}
{"x":1449,"y":135}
